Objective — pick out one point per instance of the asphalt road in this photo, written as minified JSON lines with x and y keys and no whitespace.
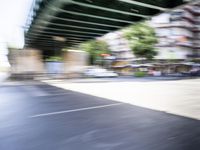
{"x":43,"y":117}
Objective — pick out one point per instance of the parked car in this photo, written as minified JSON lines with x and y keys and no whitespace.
{"x":195,"y":72}
{"x":99,"y":73}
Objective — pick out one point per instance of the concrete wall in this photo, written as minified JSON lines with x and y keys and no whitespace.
{"x":26,"y":61}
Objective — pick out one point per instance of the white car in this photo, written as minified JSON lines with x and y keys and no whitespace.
{"x":100,"y":73}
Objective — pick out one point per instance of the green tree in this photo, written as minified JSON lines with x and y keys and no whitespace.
{"x":142,"y":40}
{"x":95,"y":48}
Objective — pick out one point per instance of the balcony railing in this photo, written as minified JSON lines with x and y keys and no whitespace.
{"x":193,"y":9}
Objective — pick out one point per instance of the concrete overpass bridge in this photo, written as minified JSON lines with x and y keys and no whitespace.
{"x":54,"y":24}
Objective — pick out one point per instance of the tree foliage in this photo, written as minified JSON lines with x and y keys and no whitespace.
{"x":142,"y":40}
{"x":95,"y":48}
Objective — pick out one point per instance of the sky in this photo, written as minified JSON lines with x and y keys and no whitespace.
{"x":13,"y":15}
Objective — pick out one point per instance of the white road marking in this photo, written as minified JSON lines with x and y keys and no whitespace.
{"x":74,"y":110}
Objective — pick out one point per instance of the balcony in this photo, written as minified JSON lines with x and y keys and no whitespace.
{"x":196,"y":28}
{"x":196,"y":43}
{"x":185,"y":44}
{"x":193,"y":9}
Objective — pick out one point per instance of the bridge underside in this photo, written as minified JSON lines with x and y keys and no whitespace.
{"x":54,"y":24}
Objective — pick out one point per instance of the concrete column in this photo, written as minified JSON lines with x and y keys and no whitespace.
{"x":74,"y":63}
{"x":26,"y":61}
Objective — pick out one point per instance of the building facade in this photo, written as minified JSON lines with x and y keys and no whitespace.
{"x":121,"y":52}
{"x":178,"y":33}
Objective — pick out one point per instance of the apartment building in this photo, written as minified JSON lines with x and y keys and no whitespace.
{"x":178,"y":33}
{"x":121,"y":52}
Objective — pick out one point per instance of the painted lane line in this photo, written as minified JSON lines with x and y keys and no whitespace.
{"x":74,"y":110}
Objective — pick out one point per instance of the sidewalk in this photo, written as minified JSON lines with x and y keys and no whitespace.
{"x":118,"y":79}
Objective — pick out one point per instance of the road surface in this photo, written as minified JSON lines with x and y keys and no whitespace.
{"x":37,"y":116}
